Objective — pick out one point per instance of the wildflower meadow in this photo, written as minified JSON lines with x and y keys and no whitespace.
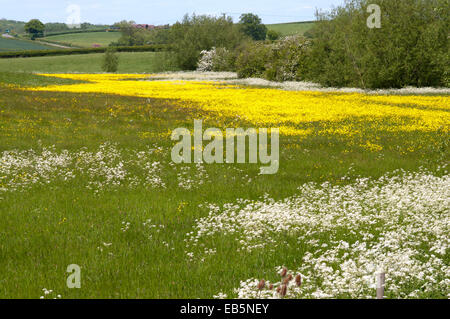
{"x":87,"y":178}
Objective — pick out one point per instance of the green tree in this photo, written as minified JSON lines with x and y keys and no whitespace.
{"x":409,"y":49}
{"x":56,"y":27}
{"x":35,"y":28}
{"x":132,"y":35}
{"x":197,"y":33}
{"x":110,"y":61}
{"x":252,"y":26}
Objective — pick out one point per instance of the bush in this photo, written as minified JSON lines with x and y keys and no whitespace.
{"x":197,"y":33}
{"x":273,"y":35}
{"x":110,"y":61}
{"x":220,"y":59}
{"x":410,"y":48}
{"x":253,"y":60}
{"x":284,"y":60}
{"x":288,"y":60}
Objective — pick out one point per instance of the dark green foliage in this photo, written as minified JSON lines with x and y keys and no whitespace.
{"x":410,"y":48}
{"x":252,"y":26}
{"x":160,"y":35}
{"x":224,"y":60}
{"x":273,"y":35}
{"x":35,"y":28}
{"x":110,"y":61}
{"x":132,"y":35}
{"x":56,"y":26}
{"x":197,"y":33}
{"x":14,"y":27}
{"x":284,"y":60}
{"x":253,"y":60}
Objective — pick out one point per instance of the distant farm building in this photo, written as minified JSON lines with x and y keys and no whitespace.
{"x":144,"y":26}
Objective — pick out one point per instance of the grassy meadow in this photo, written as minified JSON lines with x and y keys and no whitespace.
{"x":86,"y":178}
{"x":291,"y":28}
{"x":128,"y":62}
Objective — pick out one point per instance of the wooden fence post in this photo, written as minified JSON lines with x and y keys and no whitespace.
{"x":381,"y":278}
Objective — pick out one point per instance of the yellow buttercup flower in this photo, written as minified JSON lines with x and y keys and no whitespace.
{"x":291,"y":111}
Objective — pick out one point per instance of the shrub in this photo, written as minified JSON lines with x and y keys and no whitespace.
{"x":288,"y":59}
{"x":273,"y":35}
{"x":253,"y":59}
{"x":284,"y":60}
{"x":110,"y":61}
{"x":410,"y":48}
{"x":220,"y":59}
{"x":197,"y":33}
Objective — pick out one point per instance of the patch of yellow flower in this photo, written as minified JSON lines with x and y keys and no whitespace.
{"x":291,"y":111}
{"x":372,"y":147}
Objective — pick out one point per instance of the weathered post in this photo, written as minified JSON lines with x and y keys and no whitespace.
{"x":381,"y":277}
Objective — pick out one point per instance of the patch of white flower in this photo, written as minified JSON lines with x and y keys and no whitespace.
{"x":398,"y":224}
{"x":193,"y":76}
{"x":49,"y":294}
{"x":190,"y":177}
{"x":232,"y":78}
{"x":311,"y":86}
{"x":106,"y":167}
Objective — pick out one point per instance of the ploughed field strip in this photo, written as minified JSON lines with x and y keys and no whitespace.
{"x":363,"y":187}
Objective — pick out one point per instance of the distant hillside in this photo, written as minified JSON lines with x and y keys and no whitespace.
{"x":12,"y":25}
{"x":85,"y":39}
{"x":20,"y":45}
{"x":291,"y":28}
{"x":18,"y":27}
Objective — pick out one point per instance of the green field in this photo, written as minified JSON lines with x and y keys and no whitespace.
{"x":85,"y":39}
{"x":291,"y":28}
{"x":142,"y":62}
{"x":20,"y":45}
{"x":87,"y":179}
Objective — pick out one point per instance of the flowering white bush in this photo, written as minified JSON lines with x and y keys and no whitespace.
{"x":206,"y":62}
{"x":219,"y":59}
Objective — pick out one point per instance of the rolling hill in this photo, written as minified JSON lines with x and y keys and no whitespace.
{"x":7,"y":44}
{"x":85,"y":39}
{"x":291,"y":28}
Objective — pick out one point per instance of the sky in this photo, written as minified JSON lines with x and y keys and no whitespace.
{"x":158,"y":12}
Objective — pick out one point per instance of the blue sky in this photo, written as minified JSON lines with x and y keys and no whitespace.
{"x":160,"y":11}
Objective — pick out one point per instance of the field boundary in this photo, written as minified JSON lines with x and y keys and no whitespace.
{"x":37,"y":53}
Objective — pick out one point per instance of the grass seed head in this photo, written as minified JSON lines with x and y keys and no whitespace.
{"x":298,"y":280}
{"x":287,"y":279}
{"x":283,"y":290}
{"x":261,"y":284}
